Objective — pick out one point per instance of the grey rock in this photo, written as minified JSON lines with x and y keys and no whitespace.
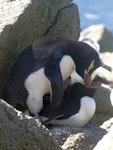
{"x":100,"y":34}
{"x":107,"y":58}
{"x":107,"y":124}
{"x":22,"y":22}
{"x":104,"y":102}
{"x":19,"y":131}
{"x":106,"y":143}
{"x":104,"y":108}
{"x":78,"y":138}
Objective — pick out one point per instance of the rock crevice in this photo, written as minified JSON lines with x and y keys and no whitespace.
{"x":58,"y":15}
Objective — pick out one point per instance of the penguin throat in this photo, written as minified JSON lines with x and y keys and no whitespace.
{"x":67,"y":66}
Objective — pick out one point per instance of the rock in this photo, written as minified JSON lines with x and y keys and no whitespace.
{"x":78,"y":138}
{"x":100,"y":34}
{"x":19,"y":131}
{"x":104,"y":108}
{"x":22,"y":22}
{"x":107,"y":124}
{"x":106,"y":143}
{"x":107,"y":58}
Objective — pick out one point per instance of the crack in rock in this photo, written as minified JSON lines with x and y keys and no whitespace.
{"x":58,"y":15}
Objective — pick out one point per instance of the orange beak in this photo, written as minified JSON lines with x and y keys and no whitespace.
{"x":87,"y":79}
{"x":88,"y":82}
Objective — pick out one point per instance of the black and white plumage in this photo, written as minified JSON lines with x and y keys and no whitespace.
{"x":43,"y":67}
{"x":77,"y":107}
{"x":98,"y":76}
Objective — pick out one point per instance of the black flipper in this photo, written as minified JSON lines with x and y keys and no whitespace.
{"x":53,"y":73}
{"x":48,"y":121}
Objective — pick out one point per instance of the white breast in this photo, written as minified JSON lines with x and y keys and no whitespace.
{"x":67,"y":66}
{"x":85,"y":113}
{"x":37,"y":84}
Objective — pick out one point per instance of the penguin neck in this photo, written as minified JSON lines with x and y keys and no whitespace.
{"x":67,"y":66}
{"x":91,"y":92}
{"x":87,"y":92}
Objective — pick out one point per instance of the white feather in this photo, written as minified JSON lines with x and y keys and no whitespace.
{"x":67,"y":66}
{"x":85,"y":113}
{"x":37,"y":84}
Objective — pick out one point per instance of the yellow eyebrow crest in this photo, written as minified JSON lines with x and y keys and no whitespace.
{"x":91,"y":66}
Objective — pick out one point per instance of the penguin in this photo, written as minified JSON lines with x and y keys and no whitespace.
{"x":43,"y":67}
{"x":92,"y":43}
{"x":77,"y":107}
{"x":97,"y":76}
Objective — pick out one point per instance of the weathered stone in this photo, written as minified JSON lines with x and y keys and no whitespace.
{"x":100,"y":34}
{"x":106,"y":143}
{"x":107,"y":58}
{"x":104,"y":108}
{"x":22,"y":22}
{"x":78,"y":138}
{"x":19,"y":131}
{"x":107,"y":124}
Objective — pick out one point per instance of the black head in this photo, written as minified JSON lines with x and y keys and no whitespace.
{"x":79,"y":90}
{"x":86,"y":58}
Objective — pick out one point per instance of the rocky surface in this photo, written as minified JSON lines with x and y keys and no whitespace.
{"x":107,"y":58}
{"x":78,"y":138}
{"x":104,"y":108}
{"x":100,"y":34}
{"x":19,"y":131}
{"x":107,"y":124}
{"x":22,"y":22}
{"x":106,"y":143}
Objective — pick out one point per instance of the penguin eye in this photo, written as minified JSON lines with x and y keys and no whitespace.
{"x":91,"y":66}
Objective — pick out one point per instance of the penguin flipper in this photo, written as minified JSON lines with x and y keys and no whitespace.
{"x":49,"y":120}
{"x":57,"y":91}
{"x":53,"y":73}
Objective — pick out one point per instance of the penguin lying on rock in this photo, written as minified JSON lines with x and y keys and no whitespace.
{"x":77,"y":107}
{"x":43,"y":67}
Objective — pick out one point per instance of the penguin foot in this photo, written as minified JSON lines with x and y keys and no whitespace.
{"x":37,"y":117}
